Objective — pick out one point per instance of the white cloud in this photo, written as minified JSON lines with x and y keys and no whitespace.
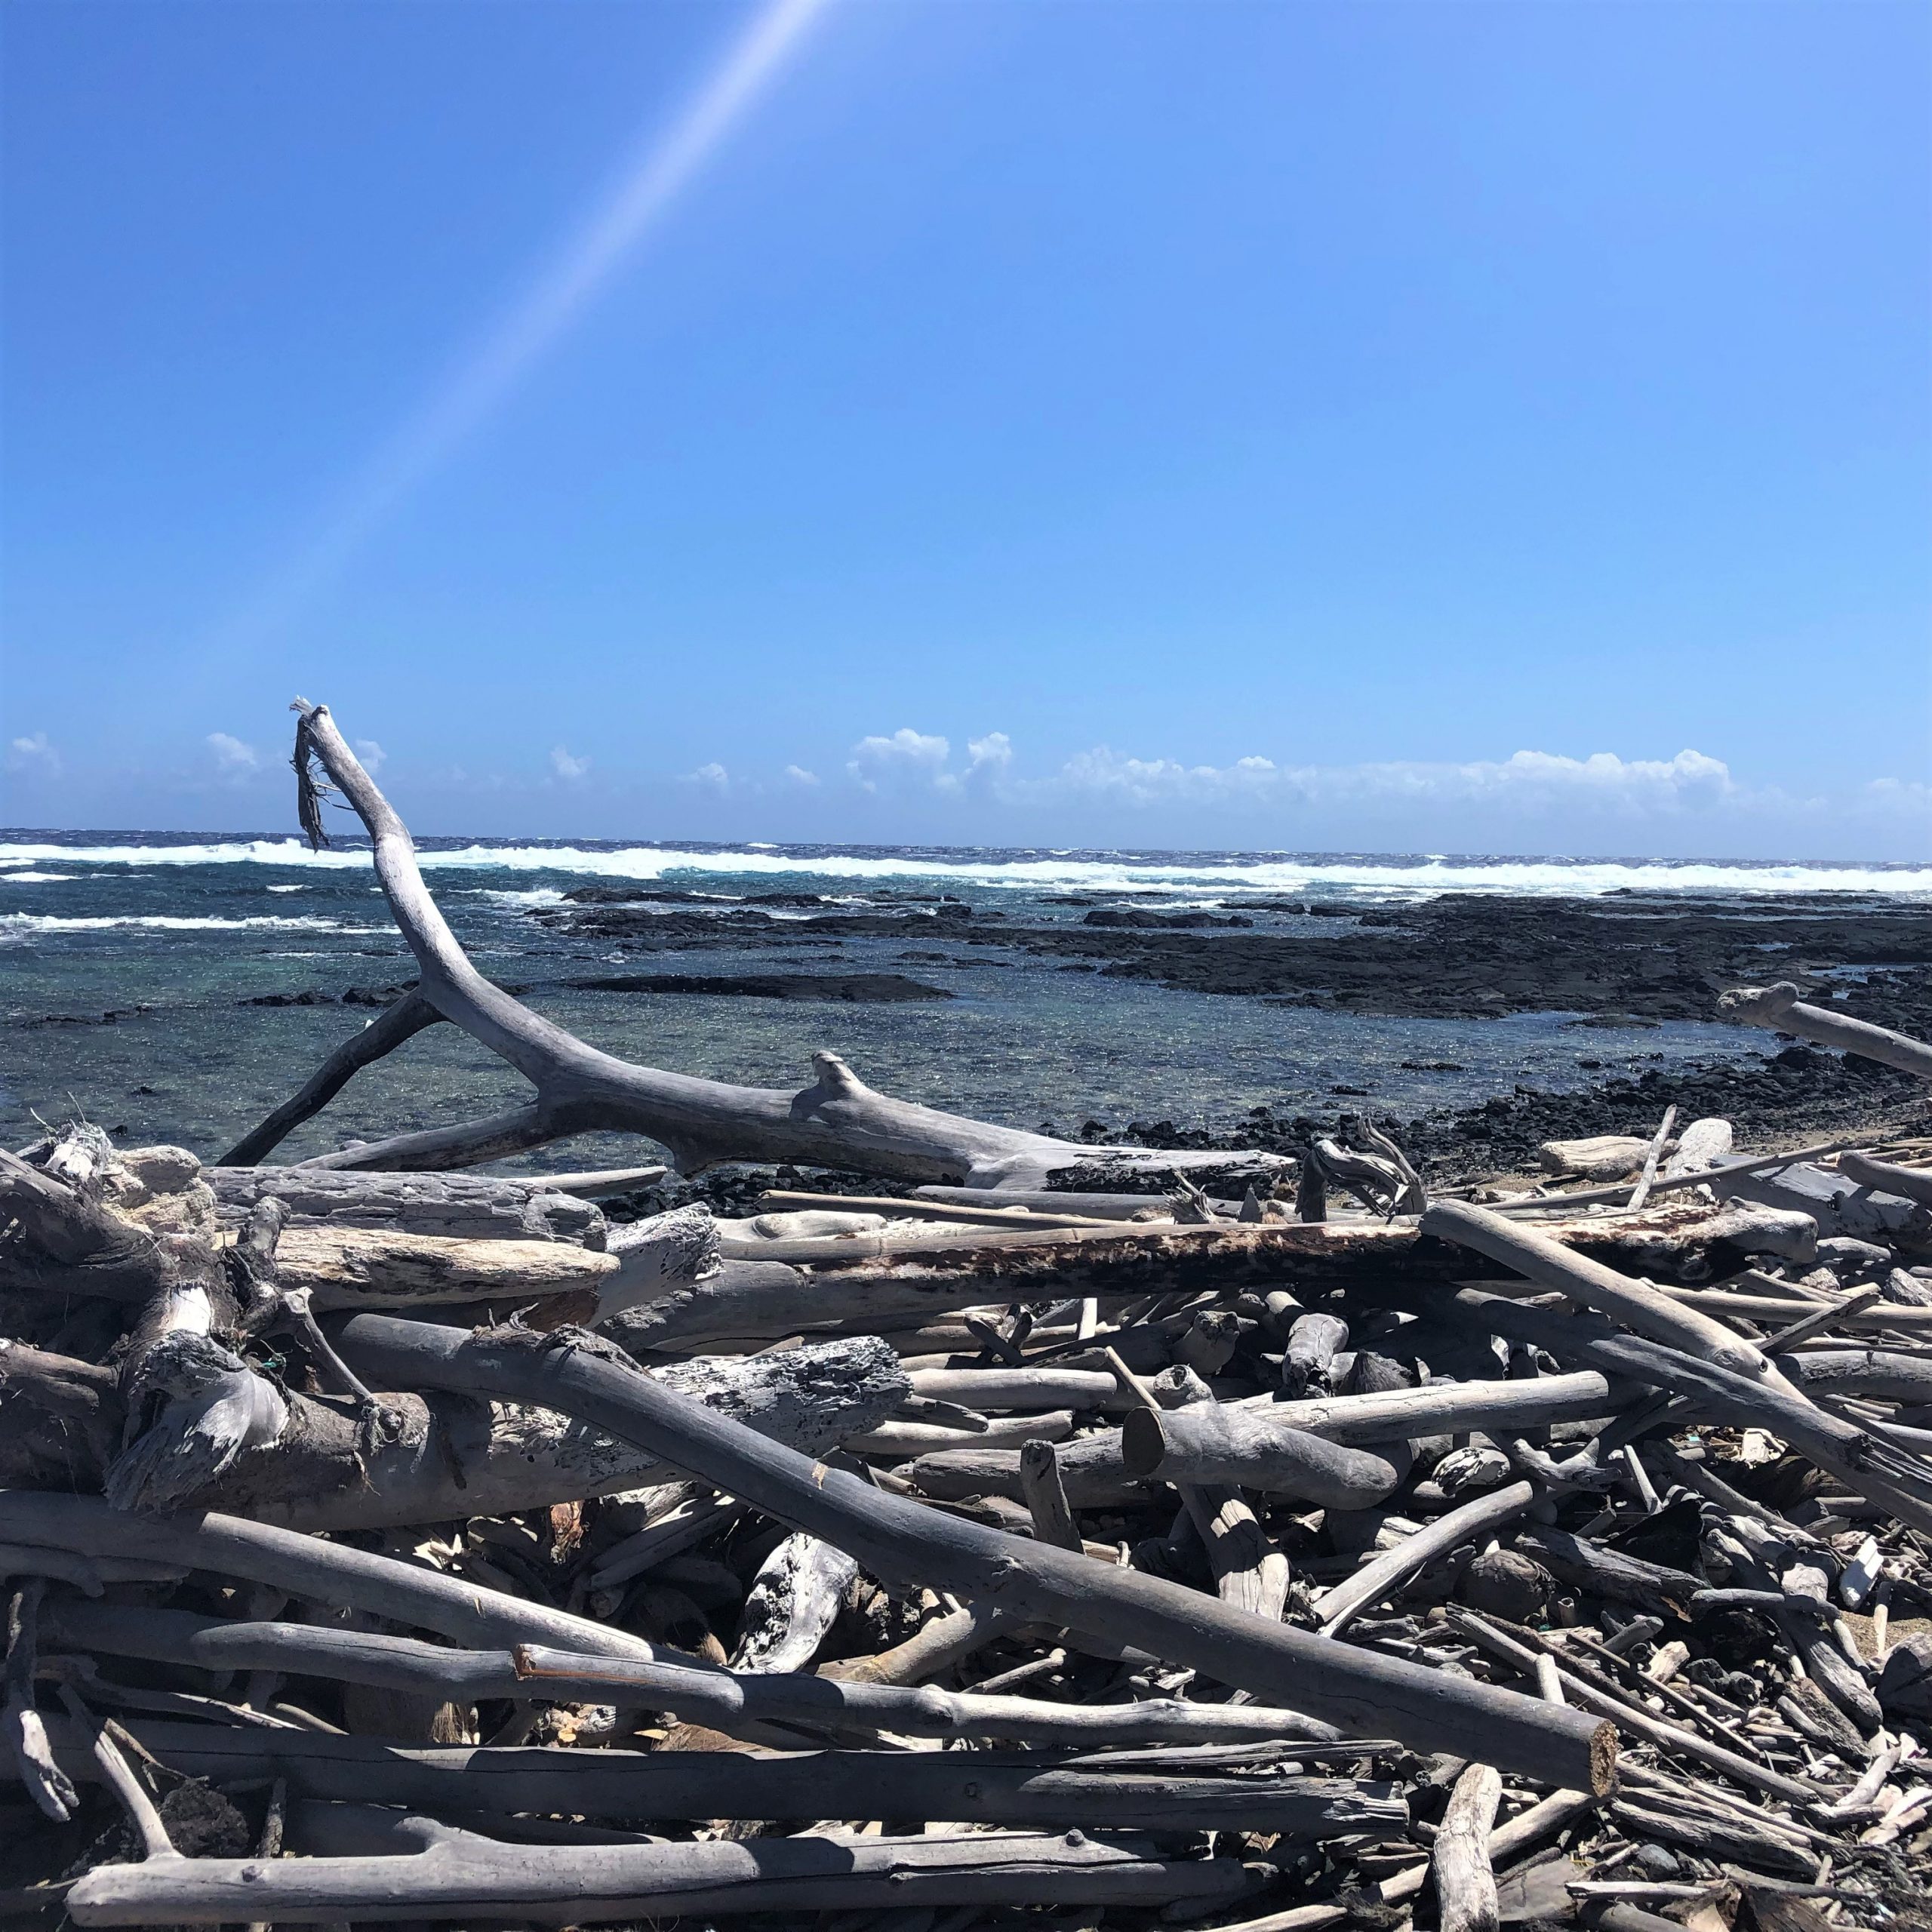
{"x":906,"y":756}
{"x":1533,"y":795}
{"x":989,"y":758}
{"x":34,"y":754}
{"x":232,"y":758}
{"x":1689,"y":781}
{"x":566,"y":767}
{"x":911,"y":760}
{"x":713,"y":777}
{"x":372,"y":754}
{"x":1902,"y":798}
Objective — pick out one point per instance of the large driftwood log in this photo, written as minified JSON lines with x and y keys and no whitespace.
{"x":460,"y":1874}
{"x":736,"y":1702}
{"x":1782,"y":1008}
{"x":838,"y":1121}
{"x":941,"y":1273}
{"x":1839,"y":1203}
{"x":445,"y":1455}
{"x":377,"y":1267}
{"x":332,"y":1573}
{"x":1887,"y":1177}
{"x":1097,"y":1473}
{"x":893,"y":1537}
{"x":467,"y":1206}
{"x":1636,"y":1304}
{"x":978,"y":1787}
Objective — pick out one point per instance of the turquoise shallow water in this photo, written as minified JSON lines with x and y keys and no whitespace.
{"x":173,"y":937}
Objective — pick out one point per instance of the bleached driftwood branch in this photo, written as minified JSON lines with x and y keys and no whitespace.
{"x":837,"y":1121}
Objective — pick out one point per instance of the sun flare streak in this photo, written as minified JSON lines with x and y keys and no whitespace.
{"x":664,"y":164}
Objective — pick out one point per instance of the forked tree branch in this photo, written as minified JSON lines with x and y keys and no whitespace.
{"x":838,"y":1121}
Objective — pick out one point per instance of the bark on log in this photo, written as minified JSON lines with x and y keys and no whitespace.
{"x":944,"y":1274}
{"x":463,"y":1206}
{"x":1780,"y":1008}
{"x":891,"y":1536}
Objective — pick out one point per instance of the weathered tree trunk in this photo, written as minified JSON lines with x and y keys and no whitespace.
{"x":458,"y":1875}
{"x":1464,"y":1884}
{"x":445,"y":1455}
{"x":735,"y":1703}
{"x":838,"y":1121}
{"x":1838,"y":1203}
{"x":468,"y":1207}
{"x":1780,"y":1008}
{"x":907,"y":1283}
{"x":978,"y":1787}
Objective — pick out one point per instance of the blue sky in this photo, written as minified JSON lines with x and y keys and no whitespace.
{"x":1485,"y":427}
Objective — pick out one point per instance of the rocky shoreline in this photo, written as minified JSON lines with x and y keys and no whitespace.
{"x":1623,"y":959}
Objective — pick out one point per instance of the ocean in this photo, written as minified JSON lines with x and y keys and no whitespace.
{"x":139,"y":971}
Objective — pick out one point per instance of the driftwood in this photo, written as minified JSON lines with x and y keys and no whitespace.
{"x":1465,"y":1881}
{"x":1066,"y":1478}
{"x":979,"y":1787}
{"x":445,"y":1454}
{"x":1210,"y":1442}
{"x":892,"y":1536}
{"x":450,"y":1873}
{"x":1839,"y":1206}
{"x":906,"y":1283}
{"x":1781,"y":1008}
{"x":837,"y":1121}
{"x":736,"y":1702}
{"x":1096,"y":1472}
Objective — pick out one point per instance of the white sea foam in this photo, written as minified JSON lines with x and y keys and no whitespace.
{"x":34,"y":879}
{"x":47,"y":922}
{"x":1268,"y":872}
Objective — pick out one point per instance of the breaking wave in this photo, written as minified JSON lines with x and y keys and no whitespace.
{"x":46,"y":922}
{"x":1221,"y":873}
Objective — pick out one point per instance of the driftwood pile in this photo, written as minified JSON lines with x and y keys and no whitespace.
{"x":1063,"y":1537}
